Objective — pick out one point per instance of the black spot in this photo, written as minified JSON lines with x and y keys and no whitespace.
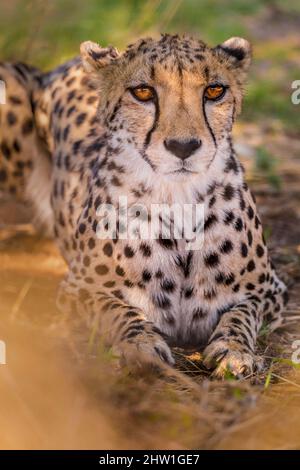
{"x":70,"y":81}
{"x":231,"y":165}
{"x":101,"y":269}
{"x":228,"y":192}
{"x":115,"y":181}
{"x":108,"y":249}
{"x":229,"y":217}
{"x":71,"y":110}
{"x":167,"y":285}
{"x":260,"y":251}
{"x":66,"y":132}
{"x":146,"y":276}
{"x":5,"y":150}
{"x":120,"y":271}
{"x":128,"y":252}
{"x":86,"y":261}
{"x":198,"y":314}
{"x":11,"y":118}
{"x":80,"y":119}
{"x":188,"y":293}
{"x":250,"y":286}
{"x":27,"y":126}
{"x":244,"y":250}
{"x":209,"y":294}
{"x":211,"y":220}
{"x":76,"y":146}
{"x":128,"y":283}
{"x":238,"y":224}
{"x":145,"y":249}
{"x":257,"y":222}
{"x":109,"y":284}
{"x":212,"y":260}
{"x":262,"y":278}
{"x":82,"y":228}
{"x":166,"y":243}
{"x":91,"y":243}
{"x":220,"y":278}
{"x":250,"y":266}
{"x":98,"y":202}
{"x":227,"y":279}
{"x":92,"y":99}
{"x":70,"y":96}
{"x":250,"y":238}
{"x":242,"y":203}
{"x":250,"y":212}
{"x":226,"y":247}
{"x":212,"y":201}
{"x":162,"y":302}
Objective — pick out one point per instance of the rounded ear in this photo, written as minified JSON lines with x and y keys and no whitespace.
{"x":238,"y":51}
{"x":94,"y":57}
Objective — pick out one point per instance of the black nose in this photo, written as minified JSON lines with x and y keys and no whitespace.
{"x":182,"y":148}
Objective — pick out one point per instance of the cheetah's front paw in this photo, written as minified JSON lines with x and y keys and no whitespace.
{"x":229,"y":356}
{"x":147,"y":349}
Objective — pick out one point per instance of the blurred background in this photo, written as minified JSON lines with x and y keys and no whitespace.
{"x":48,"y":33}
{"x":53,"y":397}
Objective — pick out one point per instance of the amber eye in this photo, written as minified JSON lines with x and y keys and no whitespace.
{"x":214,"y":92}
{"x":143,"y":93}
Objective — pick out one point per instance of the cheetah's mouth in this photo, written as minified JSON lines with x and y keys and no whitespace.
{"x":182,"y":170}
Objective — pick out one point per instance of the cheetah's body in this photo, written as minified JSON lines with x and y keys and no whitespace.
{"x":218,"y":295}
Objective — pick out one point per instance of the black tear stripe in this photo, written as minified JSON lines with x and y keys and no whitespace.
{"x":154,"y":126}
{"x":233,"y":111}
{"x":207,"y":123}
{"x":206,"y":73}
{"x":149,"y":134}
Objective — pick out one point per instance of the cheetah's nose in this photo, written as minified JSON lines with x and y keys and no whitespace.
{"x":182,"y":148}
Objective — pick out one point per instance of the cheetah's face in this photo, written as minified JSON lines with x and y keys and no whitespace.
{"x":171,"y":102}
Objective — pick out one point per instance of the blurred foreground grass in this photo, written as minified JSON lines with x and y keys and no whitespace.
{"x":48,"y":33}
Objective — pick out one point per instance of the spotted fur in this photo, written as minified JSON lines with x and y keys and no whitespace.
{"x":146,"y":295}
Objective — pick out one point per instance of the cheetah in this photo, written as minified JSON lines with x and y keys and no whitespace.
{"x":153,"y":124}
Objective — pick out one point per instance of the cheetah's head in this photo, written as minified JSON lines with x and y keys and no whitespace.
{"x":170,"y":103}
